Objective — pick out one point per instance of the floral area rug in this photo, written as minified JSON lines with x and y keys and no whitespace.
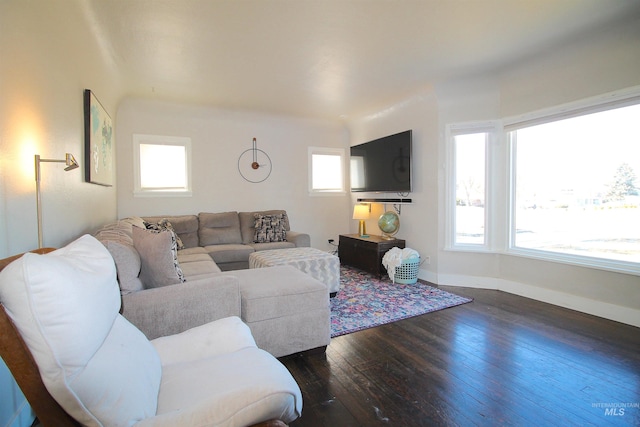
{"x":364,"y":301}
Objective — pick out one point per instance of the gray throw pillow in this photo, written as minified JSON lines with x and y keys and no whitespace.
{"x":128,"y":265}
{"x":159,"y":257}
{"x":164,"y":224}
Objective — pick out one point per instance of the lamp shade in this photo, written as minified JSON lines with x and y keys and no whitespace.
{"x":361,"y":212}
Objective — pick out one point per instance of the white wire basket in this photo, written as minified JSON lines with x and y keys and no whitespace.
{"x":407,"y":272}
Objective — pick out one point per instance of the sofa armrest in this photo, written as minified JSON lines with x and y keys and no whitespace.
{"x":176,"y":308}
{"x":299,"y":239}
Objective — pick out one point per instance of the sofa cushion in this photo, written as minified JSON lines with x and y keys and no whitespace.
{"x":279,"y":291}
{"x":248,"y":223}
{"x":164,"y":225}
{"x":159,"y":258}
{"x":272,"y":245}
{"x":185,"y":226}
{"x":250,"y":386}
{"x":128,"y":266}
{"x":269,"y":228}
{"x":197,"y":265}
{"x":119,"y":231}
{"x":219,"y":228}
{"x":229,"y":253}
{"x":65,"y":305}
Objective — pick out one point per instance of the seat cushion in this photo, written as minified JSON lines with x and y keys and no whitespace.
{"x":229,"y":253}
{"x":272,"y":245}
{"x":197,"y":265}
{"x":65,"y":305}
{"x":280,"y":291}
{"x":244,"y":387}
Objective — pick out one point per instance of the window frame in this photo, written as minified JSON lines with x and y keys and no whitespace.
{"x":577,"y":109}
{"x":141,"y":139}
{"x":491,"y":129}
{"x":341,"y":153}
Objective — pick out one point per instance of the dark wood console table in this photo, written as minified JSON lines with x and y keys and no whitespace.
{"x":366,"y":253}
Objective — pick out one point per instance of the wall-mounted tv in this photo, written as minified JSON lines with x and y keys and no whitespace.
{"x":382,"y":165}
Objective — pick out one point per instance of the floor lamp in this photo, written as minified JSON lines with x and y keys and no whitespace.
{"x":71,"y":163}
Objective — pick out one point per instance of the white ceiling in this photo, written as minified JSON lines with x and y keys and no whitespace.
{"x":328,"y":58}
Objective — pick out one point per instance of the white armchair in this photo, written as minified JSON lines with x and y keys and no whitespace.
{"x":102,"y":371}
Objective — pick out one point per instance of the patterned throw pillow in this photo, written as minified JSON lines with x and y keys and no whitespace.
{"x":269,"y":228}
{"x":164,"y":224}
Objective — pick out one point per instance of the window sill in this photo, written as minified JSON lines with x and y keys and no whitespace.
{"x":160,"y":193}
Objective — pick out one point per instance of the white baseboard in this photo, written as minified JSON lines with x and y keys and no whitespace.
{"x":609,"y":311}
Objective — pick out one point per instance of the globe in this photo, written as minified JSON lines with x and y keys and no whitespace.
{"x":389,"y":223}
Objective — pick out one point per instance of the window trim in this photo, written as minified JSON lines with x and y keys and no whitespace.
{"x":185,"y":142}
{"x":341,"y":152}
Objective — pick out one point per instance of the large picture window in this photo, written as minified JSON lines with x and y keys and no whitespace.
{"x":576,"y":187}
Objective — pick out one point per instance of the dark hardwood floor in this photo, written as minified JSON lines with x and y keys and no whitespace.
{"x":500,"y":360}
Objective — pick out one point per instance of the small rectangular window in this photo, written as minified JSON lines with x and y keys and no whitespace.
{"x":326,"y":170}
{"x":161,"y":165}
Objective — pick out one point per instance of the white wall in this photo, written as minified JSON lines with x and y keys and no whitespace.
{"x":418,"y":221}
{"x":47,"y":57}
{"x":602,"y":63}
{"x":218,"y":138}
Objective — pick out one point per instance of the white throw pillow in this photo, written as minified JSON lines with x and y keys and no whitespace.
{"x":98,"y":366}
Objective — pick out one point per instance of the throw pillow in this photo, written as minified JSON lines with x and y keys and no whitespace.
{"x":164,"y":224}
{"x":269,"y":228}
{"x":158,"y":257}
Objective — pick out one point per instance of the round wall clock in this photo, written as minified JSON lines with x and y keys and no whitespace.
{"x":254,"y":164}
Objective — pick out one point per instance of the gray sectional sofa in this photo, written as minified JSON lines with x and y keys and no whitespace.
{"x":228,"y":237}
{"x":166,"y":290}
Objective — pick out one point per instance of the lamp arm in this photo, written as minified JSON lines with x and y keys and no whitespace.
{"x":71,"y":163}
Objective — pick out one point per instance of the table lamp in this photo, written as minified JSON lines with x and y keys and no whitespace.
{"x":361,"y":212}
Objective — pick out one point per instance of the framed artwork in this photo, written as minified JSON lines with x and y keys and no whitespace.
{"x":98,"y":142}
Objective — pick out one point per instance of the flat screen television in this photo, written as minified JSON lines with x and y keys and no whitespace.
{"x":382,"y":165}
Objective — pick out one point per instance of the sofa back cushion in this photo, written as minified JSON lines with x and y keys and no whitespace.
{"x":95,"y":364}
{"x":185,"y":226}
{"x":128,"y":266}
{"x":248,"y":223}
{"x":117,"y":237}
{"x":219,"y":228}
